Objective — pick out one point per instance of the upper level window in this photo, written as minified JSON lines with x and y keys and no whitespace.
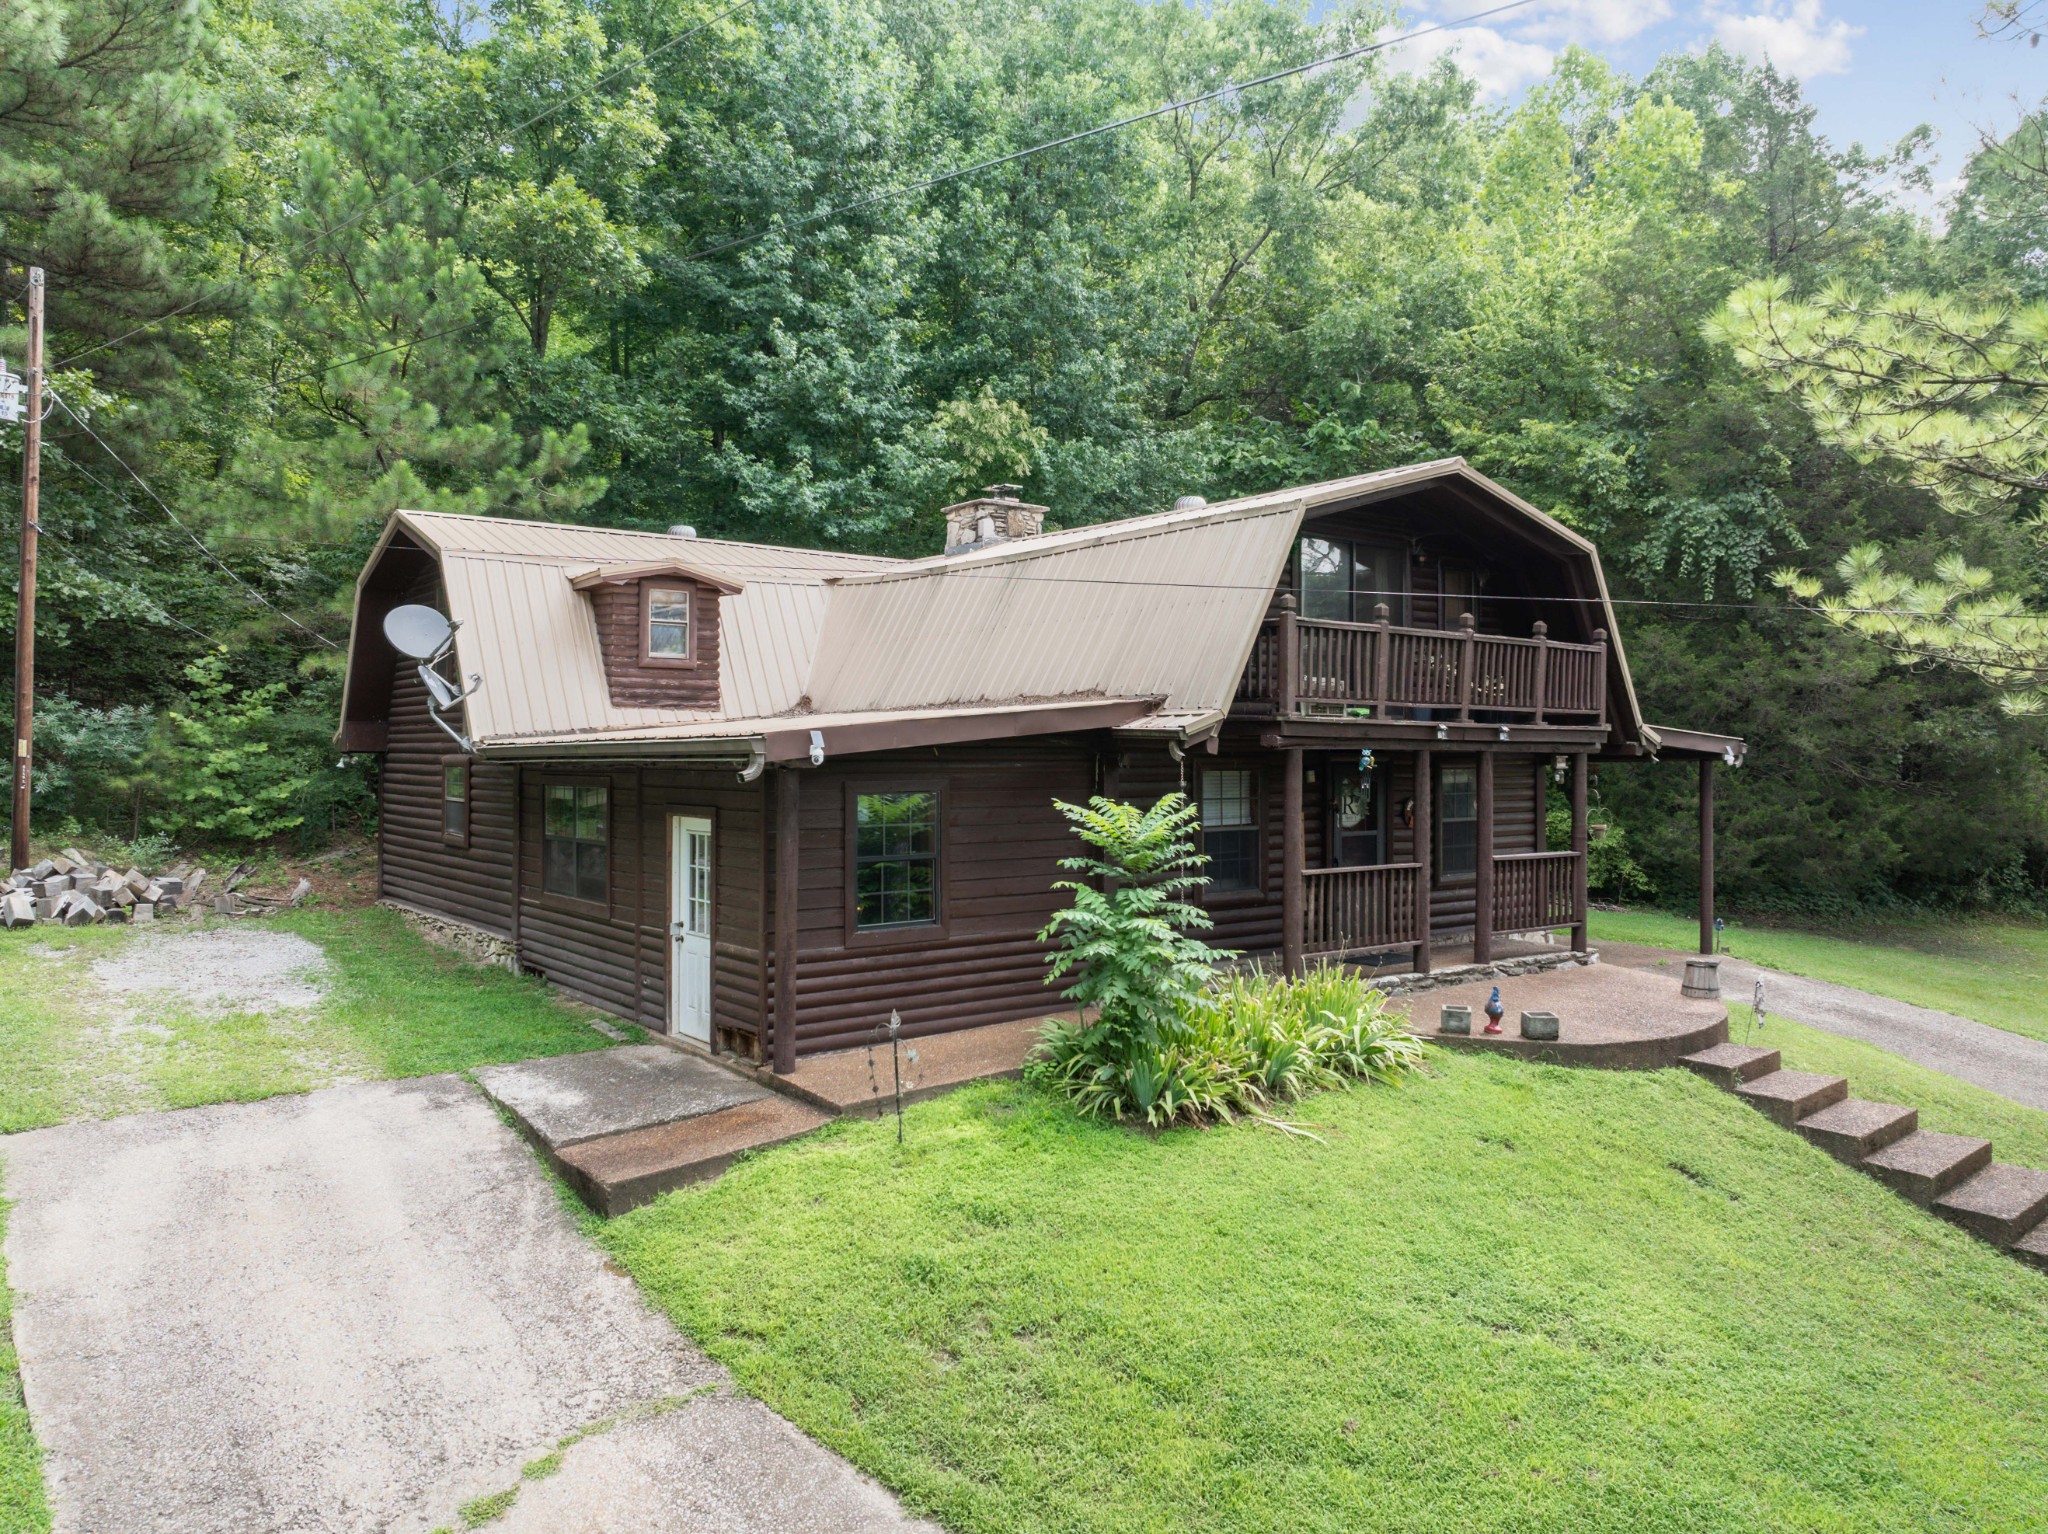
{"x":1344,"y":581}
{"x":1230,"y":828}
{"x":455,"y":802}
{"x":575,"y":841}
{"x":896,"y":859}
{"x":1460,"y":596}
{"x":1457,"y":848}
{"x":668,"y":623}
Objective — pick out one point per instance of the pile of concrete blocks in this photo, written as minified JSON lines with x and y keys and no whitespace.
{"x":77,"y":890}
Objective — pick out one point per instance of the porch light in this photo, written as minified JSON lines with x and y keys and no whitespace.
{"x":1559,"y":766}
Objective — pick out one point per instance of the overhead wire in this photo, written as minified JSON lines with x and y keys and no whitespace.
{"x":197,"y":542}
{"x":1222,"y":92}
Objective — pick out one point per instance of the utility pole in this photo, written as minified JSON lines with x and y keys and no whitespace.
{"x":25,"y":608}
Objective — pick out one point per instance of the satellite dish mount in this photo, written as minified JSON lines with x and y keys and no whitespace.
{"x":426,"y":636}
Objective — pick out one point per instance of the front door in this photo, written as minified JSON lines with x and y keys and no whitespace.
{"x":1355,"y":800}
{"x":689,"y":927}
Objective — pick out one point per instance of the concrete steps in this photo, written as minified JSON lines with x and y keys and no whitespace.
{"x":1789,"y":1096}
{"x":1950,"y":1175}
{"x":1852,"y":1129}
{"x":614,"y":1173}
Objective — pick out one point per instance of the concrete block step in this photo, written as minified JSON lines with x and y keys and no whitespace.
{"x":618,"y":1172}
{"x":2033,"y":1246}
{"x":1730,"y":1065}
{"x":1853,"y":1128}
{"x":2001,"y":1203}
{"x":1924,"y":1165}
{"x":1789,"y":1096}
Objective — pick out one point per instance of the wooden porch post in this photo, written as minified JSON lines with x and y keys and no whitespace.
{"x":1425,"y":856}
{"x":1292,"y":857}
{"x":1290,"y":656}
{"x":1482,"y":867}
{"x":1706,"y":854}
{"x":788,"y":873}
{"x":1579,"y":847}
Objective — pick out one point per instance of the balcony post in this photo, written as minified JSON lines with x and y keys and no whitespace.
{"x":1465,"y":666}
{"x":1290,"y":657}
{"x":1706,"y":854}
{"x":1292,"y":856}
{"x":1425,"y":855}
{"x":1482,"y":867}
{"x":1382,"y":616}
{"x":1600,"y":670}
{"x":1579,"y":850}
{"x":1542,"y":634}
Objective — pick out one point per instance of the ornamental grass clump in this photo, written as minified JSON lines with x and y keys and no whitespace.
{"x":1173,"y":1040}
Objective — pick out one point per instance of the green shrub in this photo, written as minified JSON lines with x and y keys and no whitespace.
{"x":1246,"y":1041}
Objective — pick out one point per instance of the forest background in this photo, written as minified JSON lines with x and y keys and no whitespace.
{"x":644,"y":262}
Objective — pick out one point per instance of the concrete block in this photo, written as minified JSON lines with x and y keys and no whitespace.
{"x":172,"y":884}
{"x":1539,"y":1025}
{"x":142,"y":910}
{"x":17,"y":910}
{"x":80,"y":910}
{"x":1455,"y":1018}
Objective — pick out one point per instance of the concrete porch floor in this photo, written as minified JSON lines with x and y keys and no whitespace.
{"x":1622,"y":1019}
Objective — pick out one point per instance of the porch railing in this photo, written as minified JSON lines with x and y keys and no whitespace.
{"x":1353,"y":910}
{"x":1533,"y":891}
{"x":1313,"y":665}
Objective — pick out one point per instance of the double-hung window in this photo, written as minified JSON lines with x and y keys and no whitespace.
{"x":1230,"y":828}
{"x":1458,"y":822}
{"x":575,"y":841}
{"x":895,"y":859}
{"x":668,"y":623}
{"x":455,"y":802}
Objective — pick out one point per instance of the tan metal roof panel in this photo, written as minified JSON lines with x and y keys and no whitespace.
{"x":1164,"y":606}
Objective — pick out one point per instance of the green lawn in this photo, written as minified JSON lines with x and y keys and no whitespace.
{"x":1993,"y":970}
{"x":22,"y":1507}
{"x":1506,"y":1297}
{"x":394,"y":1006}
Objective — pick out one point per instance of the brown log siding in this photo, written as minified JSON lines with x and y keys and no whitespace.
{"x":418,"y":867}
{"x":634,"y":681}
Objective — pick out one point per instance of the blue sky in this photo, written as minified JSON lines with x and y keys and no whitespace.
{"x":1873,"y":68}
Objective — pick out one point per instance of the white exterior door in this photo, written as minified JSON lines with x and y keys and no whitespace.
{"x":689,"y":927}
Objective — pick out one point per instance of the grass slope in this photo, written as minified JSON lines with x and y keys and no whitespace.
{"x":23,"y":1509}
{"x":1504,"y":1298}
{"x":395,"y":1006}
{"x":1992,"y":970}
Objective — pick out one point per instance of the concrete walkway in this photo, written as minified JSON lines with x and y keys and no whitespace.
{"x":2009,"y":1064}
{"x":359,"y":1310}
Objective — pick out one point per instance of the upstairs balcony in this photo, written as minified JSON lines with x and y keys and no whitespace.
{"x":1317,"y":668}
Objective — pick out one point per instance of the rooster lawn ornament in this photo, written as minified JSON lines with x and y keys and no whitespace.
{"x":1494,"y":1011}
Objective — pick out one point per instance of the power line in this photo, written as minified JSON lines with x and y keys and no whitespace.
{"x":64,"y":537}
{"x":1219,"y":94}
{"x":542,"y":115}
{"x":197,"y":541}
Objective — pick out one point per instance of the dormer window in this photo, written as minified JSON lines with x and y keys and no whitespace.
{"x":668,"y":623}
{"x":657,"y":630}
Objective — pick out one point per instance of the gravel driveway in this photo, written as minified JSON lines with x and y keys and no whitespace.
{"x":363,"y":1309}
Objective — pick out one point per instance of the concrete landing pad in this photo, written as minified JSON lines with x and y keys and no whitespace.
{"x":567,"y":1099}
{"x":1622,"y":1019}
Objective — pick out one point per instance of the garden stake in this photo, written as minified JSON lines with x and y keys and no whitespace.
{"x":896,"y":1059}
{"x":1757,"y":1007}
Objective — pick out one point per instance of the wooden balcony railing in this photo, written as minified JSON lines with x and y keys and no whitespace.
{"x":1356,"y":910}
{"x":1312,"y":665}
{"x":1533,"y":891}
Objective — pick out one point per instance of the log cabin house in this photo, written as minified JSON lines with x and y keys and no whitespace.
{"x":757,"y":798}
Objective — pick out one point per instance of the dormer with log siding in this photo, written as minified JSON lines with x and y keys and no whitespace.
{"x":657,"y":629}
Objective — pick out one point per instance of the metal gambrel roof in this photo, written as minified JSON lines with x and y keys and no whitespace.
{"x":1160,"y":610}
{"x":1156,"y":606}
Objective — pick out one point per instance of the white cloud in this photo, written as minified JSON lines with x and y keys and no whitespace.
{"x":1594,"y":21}
{"x":1501,"y":65}
{"x":1794,"y":35}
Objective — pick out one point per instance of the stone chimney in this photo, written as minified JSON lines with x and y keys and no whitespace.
{"x":994,"y":516}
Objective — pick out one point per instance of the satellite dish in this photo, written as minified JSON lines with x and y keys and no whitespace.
{"x":444,"y":693}
{"x":417,"y":631}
